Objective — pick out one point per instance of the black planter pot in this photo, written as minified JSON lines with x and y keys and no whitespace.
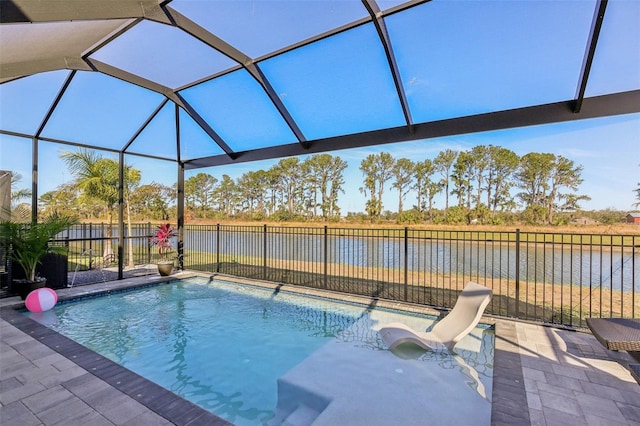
{"x":24,"y":287}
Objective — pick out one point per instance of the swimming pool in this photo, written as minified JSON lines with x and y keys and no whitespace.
{"x":253,"y":355}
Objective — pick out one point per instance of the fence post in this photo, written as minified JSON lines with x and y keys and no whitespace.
{"x":149,"y":242}
{"x":406,"y":263}
{"x":218,"y":247}
{"x":84,"y":235}
{"x":264,"y":254}
{"x":326,"y":250}
{"x":517,"y":273}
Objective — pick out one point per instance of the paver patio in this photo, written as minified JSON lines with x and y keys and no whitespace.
{"x":542,"y":376}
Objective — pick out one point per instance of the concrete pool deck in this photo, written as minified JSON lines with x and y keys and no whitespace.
{"x":542,"y":376}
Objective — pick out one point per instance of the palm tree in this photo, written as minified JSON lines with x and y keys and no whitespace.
{"x":98,"y":177}
{"x":17,"y":195}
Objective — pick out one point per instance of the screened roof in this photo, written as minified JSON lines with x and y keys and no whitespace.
{"x":216,"y":82}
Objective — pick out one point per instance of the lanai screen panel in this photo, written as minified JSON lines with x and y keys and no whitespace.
{"x":100,"y":110}
{"x":258,"y":28}
{"x":237,"y":107}
{"x":338,"y":85}
{"x":454,"y":63}
{"x":251,"y":80}
{"x":616,"y":66}
{"x":164,"y":54}
{"x":25,"y":102}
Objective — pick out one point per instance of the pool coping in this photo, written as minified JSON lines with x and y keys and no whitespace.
{"x":509,"y":401}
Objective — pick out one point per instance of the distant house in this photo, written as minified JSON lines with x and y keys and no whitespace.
{"x":633,"y":218}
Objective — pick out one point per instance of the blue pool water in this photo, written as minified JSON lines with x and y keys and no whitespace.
{"x":218,"y":344}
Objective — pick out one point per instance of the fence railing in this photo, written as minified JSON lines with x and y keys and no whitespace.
{"x":556,"y":278}
{"x":92,"y":245}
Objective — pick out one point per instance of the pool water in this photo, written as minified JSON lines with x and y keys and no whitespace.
{"x":224,"y":346}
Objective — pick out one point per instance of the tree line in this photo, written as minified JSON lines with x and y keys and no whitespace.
{"x":486,"y":181}
{"x":485,"y":184}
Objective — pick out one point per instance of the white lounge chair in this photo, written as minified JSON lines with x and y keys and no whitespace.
{"x":464,"y":316}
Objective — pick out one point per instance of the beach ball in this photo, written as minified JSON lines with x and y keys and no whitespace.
{"x":41,"y":299}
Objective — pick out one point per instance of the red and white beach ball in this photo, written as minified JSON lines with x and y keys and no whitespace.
{"x":41,"y":299}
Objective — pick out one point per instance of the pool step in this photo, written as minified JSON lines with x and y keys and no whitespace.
{"x":301,"y":416}
{"x":297,"y":406}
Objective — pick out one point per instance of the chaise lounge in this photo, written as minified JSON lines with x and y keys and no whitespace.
{"x":447,"y":332}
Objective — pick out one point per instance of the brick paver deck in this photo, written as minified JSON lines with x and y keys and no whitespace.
{"x":542,"y":376}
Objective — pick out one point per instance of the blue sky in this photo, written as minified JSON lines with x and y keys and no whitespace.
{"x":607,"y":148}
{"x":518,"y":54}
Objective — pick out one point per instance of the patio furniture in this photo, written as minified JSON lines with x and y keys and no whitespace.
{"x":464,"y":316}
{"x":616,"y":334}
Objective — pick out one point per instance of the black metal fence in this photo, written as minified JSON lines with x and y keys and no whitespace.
{"x":556,"y":278}
{"x":94,"y":245}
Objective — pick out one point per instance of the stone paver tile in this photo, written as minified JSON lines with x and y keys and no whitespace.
{"x":88,"y":418}
{"x":564,"y":382}
{"x":8,"y":384}
{"x":34,"y":350}
{"x":557,"y":418}
{"x":572,"y":361}
{"x":17,"y":414}
{"x":51,"y":359}
{"x":556,"y":340}
{"x":66,"y":412}
{"x":115,"y":405}
{"x":18,"y":392}
{"x":576,"y":373}
{"x":531,"y":385}
{"x":536,"y":363}
{"x":501,"y":418}
{"x":592,"y":420}
{"x":630,"y":412}
{"x":553,"y":390}
{"x":533,"y":374}
{"x":632,"y":398}
{"x":603,"y":391}
{"x":533,"y":401}
{"x":8,"y":355}
{"x":33,"y":374}
{"x":16,"y":339}
{"x":64,"y":364}
{"x":86,"y":385}
{"x":599,"y":407}
{"x":537,"y":418}
{"x":565,"y":404}
{"x":14,"y":369}
{"x":528,"y":348}
{"x":62,"y":376}
{"x":628,"y":387}
{"x":48,"y":398}
{"x":547,"y":353}
{"x":603,"y":378}
{"x":147,"y":418}
{"x":610,"y":367}
{"x":8,"y":330}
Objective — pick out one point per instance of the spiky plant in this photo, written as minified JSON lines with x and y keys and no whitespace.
{"x":162,"y":240}
{"x":28,"y":242}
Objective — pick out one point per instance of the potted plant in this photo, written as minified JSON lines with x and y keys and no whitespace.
{"x":28,"y":242}
{"x":163,"y":241}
